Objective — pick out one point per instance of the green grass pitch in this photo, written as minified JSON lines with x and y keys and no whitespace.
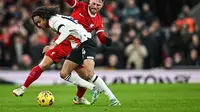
{"x":134,"y":98}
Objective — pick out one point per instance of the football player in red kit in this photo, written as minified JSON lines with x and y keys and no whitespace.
{"x":88,"y":16}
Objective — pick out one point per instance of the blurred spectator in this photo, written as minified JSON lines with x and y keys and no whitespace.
{"x":128,"y":25}
{"x":12,"y":13}
{"x":178,"y":59}
{"x":150,"y":44}
{"x":131,"y":10}
{"x":197,"y":30}
{"x":194,"y":58}
{"x":26,"y":21}
{"x":136,"y":54}
{"x":36,"y":49}
{"x":128,"y":38}
{"x":168,"y":63}
{"x":185,"y":11}
{"x":147,"y":14}
{"x":20,"y":52}
{"x":111,"y":11}
{"x":100,"y":58}
{"x":175,"y":41}
{"x":139,"y":26}
{"x":157,"y":34}
{"x":195,"y":43}
{"x":185,"y":19}
{"x":113,"y":62}
{"x":117,"y":46}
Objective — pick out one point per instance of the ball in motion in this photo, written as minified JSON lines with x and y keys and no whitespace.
{"x":45,"y":98}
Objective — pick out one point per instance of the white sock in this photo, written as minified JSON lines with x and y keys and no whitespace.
{"x":76,"y":80}
{"x":101,"y":85}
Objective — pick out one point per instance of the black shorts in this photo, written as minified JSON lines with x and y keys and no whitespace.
{"x":87,"y":50}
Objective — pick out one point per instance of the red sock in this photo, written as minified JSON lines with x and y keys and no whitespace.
{"x":33,"y":75}
{"x":81,"y":91}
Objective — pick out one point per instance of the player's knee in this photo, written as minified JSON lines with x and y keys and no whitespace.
{"x":64,"y":74}
{"x":44,"y":66}
{"x":89,"y":74}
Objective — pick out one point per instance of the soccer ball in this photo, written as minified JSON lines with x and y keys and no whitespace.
{"x":45,"y":98}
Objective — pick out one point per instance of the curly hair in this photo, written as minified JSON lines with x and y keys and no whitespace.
{"x":46,"y":11}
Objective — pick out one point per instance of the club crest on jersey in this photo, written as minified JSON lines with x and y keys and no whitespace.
{"x":91,"y":25}
{"x":53,"y":53}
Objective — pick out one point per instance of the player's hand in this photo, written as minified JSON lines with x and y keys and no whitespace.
{"x":108,"y":41}
{"x":49,"y":47}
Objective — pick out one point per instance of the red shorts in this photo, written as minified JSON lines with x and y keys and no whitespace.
{"x":61,"y":51}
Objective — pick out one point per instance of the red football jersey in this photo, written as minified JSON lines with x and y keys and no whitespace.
{"x":89,"y":22}
{"x":81,"y":14}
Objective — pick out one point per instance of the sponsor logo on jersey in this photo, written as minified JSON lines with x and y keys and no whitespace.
{"x":81,"y":15}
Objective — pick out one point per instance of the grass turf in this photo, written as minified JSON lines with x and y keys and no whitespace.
{"x":134,"y":98}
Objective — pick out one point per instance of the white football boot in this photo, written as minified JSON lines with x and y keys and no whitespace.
{"x":95,"y":92}
{"x":19,"y":91}
{"x":82,"y":100}
{"x":114,"y":102}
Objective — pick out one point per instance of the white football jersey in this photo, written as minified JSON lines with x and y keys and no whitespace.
{"x":75,"y":29}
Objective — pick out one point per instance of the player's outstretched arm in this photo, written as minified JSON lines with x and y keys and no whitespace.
{"x":72,"y":3}
{"x":64,"y":33}
{"x":104,"y":39}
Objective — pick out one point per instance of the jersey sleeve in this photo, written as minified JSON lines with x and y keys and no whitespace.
{"x":74,"y":3}
{"x":100,"y":27}
{"x":55,"y":23}
{"x":100,"y":32}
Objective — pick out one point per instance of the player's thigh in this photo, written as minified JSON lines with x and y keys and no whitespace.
{"x":67,"y":68}
{"x":46,"y":62}
{"x":61,"y":51}
{"x":89,"y":55}
{"x":89,"y":49}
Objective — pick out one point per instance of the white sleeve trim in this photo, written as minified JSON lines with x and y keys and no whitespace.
{"x":99,"y":31}
{"x":64,"y":33}
{"x":74,"y":4}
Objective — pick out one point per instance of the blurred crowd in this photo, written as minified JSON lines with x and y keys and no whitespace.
{"x":139,"y":41}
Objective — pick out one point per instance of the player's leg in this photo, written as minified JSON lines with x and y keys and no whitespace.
{"x":80,"y":90}
{"x":67,"y":68}
{"x":89,"y":56}
{"x":76,"y":57}
{"x":53,"y":55}
{"x":89,"y":69}
{"x":33,"y":75}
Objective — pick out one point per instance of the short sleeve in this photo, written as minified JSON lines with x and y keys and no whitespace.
{"x":100,"y":27}
{"x":55,"y":23}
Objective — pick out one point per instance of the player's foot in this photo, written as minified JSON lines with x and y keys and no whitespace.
{"x":19,"y":91}
{"x":114,"y":102}
{"x":82,"y":100}
{"x":95,"y":95}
